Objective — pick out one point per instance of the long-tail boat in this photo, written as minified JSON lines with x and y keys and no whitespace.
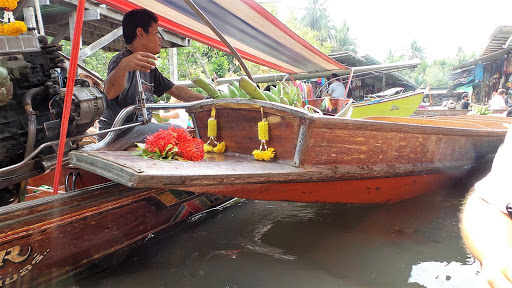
{"x":317,"y":158}
{"x":401,"y":105}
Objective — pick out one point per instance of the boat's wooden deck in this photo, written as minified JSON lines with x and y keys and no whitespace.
{"x":232,"y":168}
{"x":135,"y":171}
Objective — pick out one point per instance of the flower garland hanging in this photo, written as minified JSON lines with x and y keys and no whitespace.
{"x":173,"y":143}
{"x":263,"y":153}
{"x":212,"y":134}
{"x":10,"y":27}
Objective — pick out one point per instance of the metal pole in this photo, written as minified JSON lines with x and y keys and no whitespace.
{"x":221,"y":37}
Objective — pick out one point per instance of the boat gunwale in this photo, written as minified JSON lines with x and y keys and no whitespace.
{"x":361,"y":123}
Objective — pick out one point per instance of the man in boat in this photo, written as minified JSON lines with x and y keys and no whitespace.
{"x":121,"y":86}
{"x":336,"y":89}
{"x":486,"y":222}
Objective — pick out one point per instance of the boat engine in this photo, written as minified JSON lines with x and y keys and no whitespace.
{"x":33,"y":78}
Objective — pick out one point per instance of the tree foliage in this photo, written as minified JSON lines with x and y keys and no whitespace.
{"x":317,"y":18}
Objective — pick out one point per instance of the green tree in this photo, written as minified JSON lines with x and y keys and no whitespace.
{"x":393,"y":57}
{"x":311,"y":36}
{"x":316,"y":18}
{"x":342,"y":41}
{"x":415,"y":51}
{"x":462,"y":57}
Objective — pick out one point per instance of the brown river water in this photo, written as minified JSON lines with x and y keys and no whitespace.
{"x":412,"y":243}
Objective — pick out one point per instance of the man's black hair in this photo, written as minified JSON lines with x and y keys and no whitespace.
{"x":335,"y":76}
{"x":134,"y":19}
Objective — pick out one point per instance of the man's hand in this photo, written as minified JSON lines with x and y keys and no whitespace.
{"x":141,"y":61}
{"x":116,"y":80}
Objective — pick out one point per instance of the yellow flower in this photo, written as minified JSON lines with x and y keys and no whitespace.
{"x":207,"y":148}
{"x":220,"y":147}
{"x":212,"y":127}
{"x":264,"y":155}
{"x":263,"y":130}
{"x":13,"y":28}
{"x":9,"y":4}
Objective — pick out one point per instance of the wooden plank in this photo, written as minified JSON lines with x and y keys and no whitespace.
{"x":428,"y":121}
{"x":135,"y":171}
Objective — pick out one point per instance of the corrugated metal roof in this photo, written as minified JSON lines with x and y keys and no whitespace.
{"x":56,"y":21}
{"x":350,"y":59}
{"x":500,"y":39}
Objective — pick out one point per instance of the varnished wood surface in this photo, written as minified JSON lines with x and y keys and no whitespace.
{"x":448,"y":112}
{"x":231,"y":169}
{"x":45,"y":240}
{"x":333,"y":149}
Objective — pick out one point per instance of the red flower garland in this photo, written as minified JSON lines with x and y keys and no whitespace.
{"x":188,"y":148}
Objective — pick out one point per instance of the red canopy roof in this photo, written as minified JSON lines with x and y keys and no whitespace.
{"x":255,"y":33}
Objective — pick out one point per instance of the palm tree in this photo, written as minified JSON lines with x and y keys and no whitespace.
{"x":342,"y":40}
{"x":415,"y":51}
{"x":393,"y":57}
{"x":462,"y":57}
{"x":317,"y":19}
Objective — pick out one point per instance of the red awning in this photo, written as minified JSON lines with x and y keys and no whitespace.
{"x":255,"y":33}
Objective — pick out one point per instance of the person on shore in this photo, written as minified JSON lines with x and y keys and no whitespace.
{"x":486,"y":222}
{"x":498,"y":100}
{"x":142,"y":38}
{"x":175,"y":117}
{"x":336,"y":89}
{"x":464,"y":103}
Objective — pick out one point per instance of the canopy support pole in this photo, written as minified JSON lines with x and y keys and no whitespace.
{"x":70,"y":84}
{"x":221,"y":37}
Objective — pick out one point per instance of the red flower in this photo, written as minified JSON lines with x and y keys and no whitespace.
{"x":191,"y":149}
{"x":160,"y":140}
{"x":181,"y":134}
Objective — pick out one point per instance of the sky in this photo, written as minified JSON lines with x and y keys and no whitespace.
{"x":439,"y":26}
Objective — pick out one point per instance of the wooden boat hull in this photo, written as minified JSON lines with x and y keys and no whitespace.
{"x":316,"y":156}
{"x":368,"y":191}
{"x":48,"y":239}
{"x":447,"y":112}
{"x":403,"y":105}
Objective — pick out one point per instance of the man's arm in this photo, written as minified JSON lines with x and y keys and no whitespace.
{"x":116,"y":80}
{"x":184,"y":94}
{"x":487,"y":233}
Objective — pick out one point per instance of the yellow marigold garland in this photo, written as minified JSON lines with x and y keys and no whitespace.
{"x":13,"y":29}
{"x":9,"y":4}
{"x":212,"y":134}
{"x":10,"y":27}
{"x":263,"y":153}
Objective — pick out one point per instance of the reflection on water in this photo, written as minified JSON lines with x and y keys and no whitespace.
{"x":413,"y":243}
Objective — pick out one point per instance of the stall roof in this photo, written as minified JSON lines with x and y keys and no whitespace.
{"x":500,"y":39}
{"x":350,"y":59}
{"x":100,"y":21}
{"x":255,"y":33}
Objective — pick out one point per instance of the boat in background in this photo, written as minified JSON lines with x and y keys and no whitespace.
{"x":318,"y":158}
{"x":443,"y":111}
{"x":395,"y":104}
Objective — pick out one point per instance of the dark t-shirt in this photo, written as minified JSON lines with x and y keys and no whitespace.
{"x":153,"y":83}
{"x":464,"y":104}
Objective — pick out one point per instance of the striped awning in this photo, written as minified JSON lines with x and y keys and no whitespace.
{"x":255,"y":33}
